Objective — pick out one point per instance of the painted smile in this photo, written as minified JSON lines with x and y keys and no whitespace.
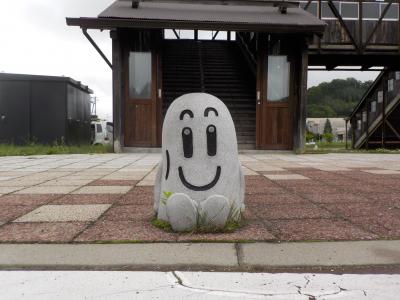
{"x":203,"y":187}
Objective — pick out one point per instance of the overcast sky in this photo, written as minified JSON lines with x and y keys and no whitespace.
{"x":34,"y":39}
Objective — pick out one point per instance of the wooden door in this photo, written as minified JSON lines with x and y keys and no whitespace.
{"x":141,"y":99}
{"x":274,"y":97}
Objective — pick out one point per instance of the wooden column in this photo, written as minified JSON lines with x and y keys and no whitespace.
{"x":300,"y":116}
{"x":117,"y":91}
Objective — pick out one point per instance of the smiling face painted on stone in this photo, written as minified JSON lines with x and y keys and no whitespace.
{"x":199,"y":145}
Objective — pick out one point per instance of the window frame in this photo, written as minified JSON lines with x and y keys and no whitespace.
{"x":349,"y":3}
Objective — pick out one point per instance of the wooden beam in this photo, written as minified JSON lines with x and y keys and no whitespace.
{"x":377,"y":24}
{"x":300,"y":118}
{"x":393,"y":129}
{"x":176,"y":34}
{"x":117,"y":90}
{"x":339,"y":17}
{"x":86,"y":34}
{"x":215,"y":35}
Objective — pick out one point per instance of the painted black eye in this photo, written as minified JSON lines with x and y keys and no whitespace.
{"x":211,"y":140}
{"x":187,"y":141}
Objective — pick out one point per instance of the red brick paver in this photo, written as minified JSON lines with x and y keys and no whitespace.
{"x":330,"y":205}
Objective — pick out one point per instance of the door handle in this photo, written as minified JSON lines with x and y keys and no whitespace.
{"x":159,"y":93}
{"x":258,"y":97}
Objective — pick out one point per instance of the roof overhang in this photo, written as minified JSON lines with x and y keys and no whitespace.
{"x":209,"y":15}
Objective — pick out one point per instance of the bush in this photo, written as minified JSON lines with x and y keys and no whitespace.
{"x":328,"y":137}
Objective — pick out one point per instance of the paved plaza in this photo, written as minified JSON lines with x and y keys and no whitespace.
{"x":109,"y":197}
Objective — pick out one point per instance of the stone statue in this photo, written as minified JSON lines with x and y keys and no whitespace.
{"x":200,"y":182}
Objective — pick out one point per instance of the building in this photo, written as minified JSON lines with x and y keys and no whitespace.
{"x":317,"y":125}
{"x":43,"y":109}
{"x":253,"y":54}
{"x":375,"y":121}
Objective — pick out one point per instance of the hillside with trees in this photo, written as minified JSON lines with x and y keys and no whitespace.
{"x":336,"y":98}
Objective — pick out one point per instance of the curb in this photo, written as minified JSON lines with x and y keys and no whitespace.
{"x":201,"y":256}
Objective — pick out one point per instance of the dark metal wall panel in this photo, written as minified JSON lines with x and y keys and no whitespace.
{"x":78,"y":116}
{"x":14,"y":111}
{"x":48,"y":111}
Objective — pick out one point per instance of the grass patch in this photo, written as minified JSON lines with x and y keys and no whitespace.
{"x":230,"y":227}
{"x":161,"y":224}
{"x":38,"y":149}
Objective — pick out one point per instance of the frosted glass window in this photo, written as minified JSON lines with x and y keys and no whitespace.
{"x":140,"y":75}
{"x":326,"y":12}
{"x":380,"y":96}
{"x":186,"y":34}
{"x":278,"y":78}
{"x":370,"y":10}
{"x":392,"y":13}
{"x":373,"y":106}
{"x":349,"y":10}
{"x":397,"y":74}
{"x":390,"y":85}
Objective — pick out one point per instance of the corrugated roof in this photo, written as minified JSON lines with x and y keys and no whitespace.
{"x":28,"y":77}
{"x":212,"y":12}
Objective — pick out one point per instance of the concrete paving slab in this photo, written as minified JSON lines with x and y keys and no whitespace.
{"x":320,"y":254}
{"x":65,"y":213}
{"x":48,"y":190}
{"x":285,"y":176}
{"x":115,"y":189}
{"x":154,"y":256}
{"x":383,"y":172}
{"x":9,"y":189}
{"x":67,"y":182}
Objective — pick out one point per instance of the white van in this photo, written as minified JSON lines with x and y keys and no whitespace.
{"x":101,"y":132}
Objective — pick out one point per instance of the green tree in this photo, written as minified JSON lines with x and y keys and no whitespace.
{"x":336,"y":98}
{"x":328,"y":127}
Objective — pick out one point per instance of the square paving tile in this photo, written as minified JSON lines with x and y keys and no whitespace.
{"x":17,"y":199}
{"x":103,"y":190}
{"x":114,"y":182}
{"x":292,"y":211}
{"x":383,"y":172}
{"x":254,"y":231}
{"x":140,"y":195}
{"x":67,"y":182}
{"x":318,"y":229}
{"x":335,"y":198}
{"x":48,"y":190}
{"x":11,"y":212}
{"x":363,"y":210}
{"x":9,"y":189}
{"x":146,"y":183}
{"x":125,"y":231}
{"x":274,"y":199}
{"x":40,"y":232}
{"x":285,"y":176}
{"x":65,"y":213}
{"x":129,"y":213}
{"x":87,"y":199}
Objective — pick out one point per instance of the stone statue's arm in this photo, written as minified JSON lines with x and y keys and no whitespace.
{"x":157,"y":187}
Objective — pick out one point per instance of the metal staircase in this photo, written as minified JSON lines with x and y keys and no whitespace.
{"x":375,"y":121}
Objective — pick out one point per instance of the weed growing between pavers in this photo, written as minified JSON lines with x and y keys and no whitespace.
{"x":231,"y":226}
